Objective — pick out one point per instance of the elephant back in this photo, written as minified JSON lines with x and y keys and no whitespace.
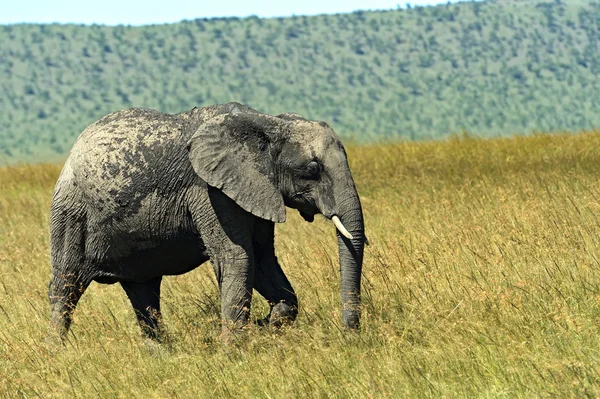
{"x":125,"y":157}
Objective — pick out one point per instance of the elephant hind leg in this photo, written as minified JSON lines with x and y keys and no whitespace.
{"x":145,"y":299}
{"x":70,"y":276}
{"x":64,"y":292}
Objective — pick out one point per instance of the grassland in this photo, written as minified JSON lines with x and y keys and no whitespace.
{"x":482,"y":280}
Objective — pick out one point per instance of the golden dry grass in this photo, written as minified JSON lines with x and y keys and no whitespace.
{"x":483,"y":280}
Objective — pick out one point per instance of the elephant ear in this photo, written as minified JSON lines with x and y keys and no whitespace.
{"x":231,"y":153}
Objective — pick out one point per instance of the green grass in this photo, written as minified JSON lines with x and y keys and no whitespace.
{"x":482,"y":280}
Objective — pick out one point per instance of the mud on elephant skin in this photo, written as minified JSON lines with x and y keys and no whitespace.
{"x":145,"y":194}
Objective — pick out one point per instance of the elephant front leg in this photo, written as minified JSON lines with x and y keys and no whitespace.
{"x":226,"y":231}
{"x":273,"y":285}
{"x":235,"y":275}
{"x":269,"y":279}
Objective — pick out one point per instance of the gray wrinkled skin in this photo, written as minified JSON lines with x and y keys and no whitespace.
{"x":145,"y":194}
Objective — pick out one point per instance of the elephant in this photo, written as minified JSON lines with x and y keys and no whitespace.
{"x":145,"y":194}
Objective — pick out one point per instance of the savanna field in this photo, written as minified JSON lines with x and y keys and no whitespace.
{"x":482,"y":280}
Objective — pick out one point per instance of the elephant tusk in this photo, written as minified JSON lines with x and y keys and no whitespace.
{"x":338,"y":224}
{"x":367,"y":240}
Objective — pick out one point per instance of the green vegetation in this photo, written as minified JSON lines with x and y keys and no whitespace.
{"x":495,"y":67}
{"x":482,"y":280}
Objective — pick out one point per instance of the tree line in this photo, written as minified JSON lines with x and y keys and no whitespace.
{"x":489,"y":68}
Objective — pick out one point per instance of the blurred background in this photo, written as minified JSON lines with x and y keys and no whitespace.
{"x":373,"y":69}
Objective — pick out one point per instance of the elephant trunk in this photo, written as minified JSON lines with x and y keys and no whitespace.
{"x":351,"y":250}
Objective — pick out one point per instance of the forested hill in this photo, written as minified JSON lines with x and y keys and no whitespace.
{"x":490,"y":68}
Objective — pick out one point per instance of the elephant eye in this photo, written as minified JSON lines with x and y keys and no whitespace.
{"x":313,"y":170}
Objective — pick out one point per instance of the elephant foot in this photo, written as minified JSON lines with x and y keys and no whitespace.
{"x":262,"y":322}
{"x":54,"y":342}
{"x":234,"y":335}
{"x":157,"y":348}
{"x":282,"y":314}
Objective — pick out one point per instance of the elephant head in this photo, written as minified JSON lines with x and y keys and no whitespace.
{"x":265,"y":163}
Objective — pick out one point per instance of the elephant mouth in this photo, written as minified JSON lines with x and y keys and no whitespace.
{"x":340,"y":227}
{"x":307,"y":216}
{"x":310,"y":217}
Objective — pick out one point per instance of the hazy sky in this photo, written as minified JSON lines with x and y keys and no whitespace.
{"x":139,"y":12}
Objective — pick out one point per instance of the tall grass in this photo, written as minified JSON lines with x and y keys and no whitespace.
{"x":482,"y":280}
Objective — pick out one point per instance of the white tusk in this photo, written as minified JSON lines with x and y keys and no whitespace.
{"x":367,"y":240}
{"x":338,"y":224}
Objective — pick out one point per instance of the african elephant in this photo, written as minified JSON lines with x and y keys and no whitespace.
{"x":146,"y":194}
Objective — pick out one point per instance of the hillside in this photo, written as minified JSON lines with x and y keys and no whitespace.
{"x":489,"y":68}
